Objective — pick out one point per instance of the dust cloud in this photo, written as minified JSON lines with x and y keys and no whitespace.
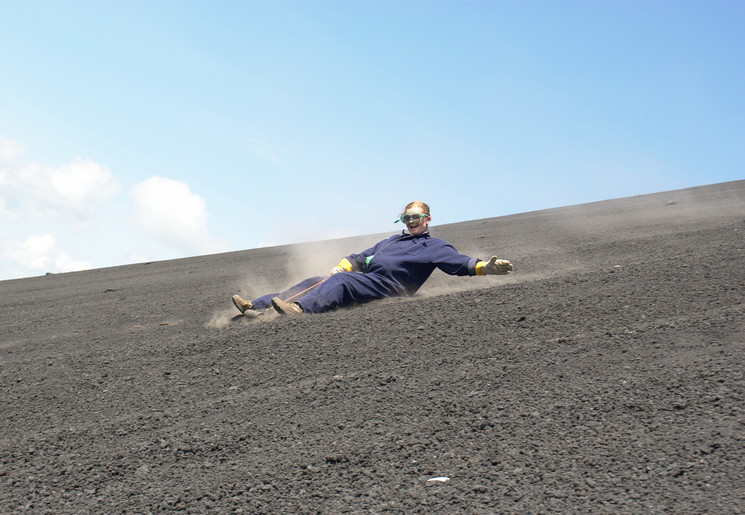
{"x":220,"y":319}
{"x":315,"y":259}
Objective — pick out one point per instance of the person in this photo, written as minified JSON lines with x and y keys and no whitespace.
{"x":396,"y":266}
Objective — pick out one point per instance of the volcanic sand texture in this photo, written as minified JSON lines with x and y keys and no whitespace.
{"x":604,"y":375}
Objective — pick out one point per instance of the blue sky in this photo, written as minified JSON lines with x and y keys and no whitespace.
{"x":140,"y":131}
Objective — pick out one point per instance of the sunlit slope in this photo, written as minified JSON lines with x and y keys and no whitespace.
{"x":603,"y":375}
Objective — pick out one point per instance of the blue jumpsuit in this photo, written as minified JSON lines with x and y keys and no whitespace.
{"x":397,"y":266}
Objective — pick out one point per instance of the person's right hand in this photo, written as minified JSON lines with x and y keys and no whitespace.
{"x":337,"y":269}
{"x":497,"y":266}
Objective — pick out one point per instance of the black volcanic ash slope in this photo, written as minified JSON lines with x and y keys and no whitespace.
{"x":604,"y":376}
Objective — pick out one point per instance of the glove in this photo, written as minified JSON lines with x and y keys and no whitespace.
{"x":496,"y":266}
{"x":343,"y":266}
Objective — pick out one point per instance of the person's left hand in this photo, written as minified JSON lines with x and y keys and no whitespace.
{"x":497,"y":266}
{"x":337,"y":269}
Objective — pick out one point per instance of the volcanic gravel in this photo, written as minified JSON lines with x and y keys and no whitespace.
{"x":604,"y":375}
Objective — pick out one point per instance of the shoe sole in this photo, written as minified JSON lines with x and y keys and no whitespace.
{"x":279,"y":310}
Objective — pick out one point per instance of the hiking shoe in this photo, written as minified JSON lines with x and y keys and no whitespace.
{"x":242,"y":305}
{"x":286,"y":308}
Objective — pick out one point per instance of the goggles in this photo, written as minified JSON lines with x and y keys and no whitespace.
{"x":412,"y":217}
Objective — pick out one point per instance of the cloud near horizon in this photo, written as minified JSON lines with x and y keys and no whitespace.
{"x":35,"y":197}
{"x":75,"y":189}
{"x":9,"y":150}
{"x":169,"y":212}
{"x":44,"y":208}
{"x":41,"y":254}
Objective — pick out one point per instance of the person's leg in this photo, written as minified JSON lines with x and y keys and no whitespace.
{"x":265,"y":301}
{"x":347,"y":288}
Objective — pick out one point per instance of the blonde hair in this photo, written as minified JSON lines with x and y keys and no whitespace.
{"x":418,"y":203}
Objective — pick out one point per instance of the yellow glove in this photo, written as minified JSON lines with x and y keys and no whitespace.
{"x":494,"y":266}
{"x":343,"y":266}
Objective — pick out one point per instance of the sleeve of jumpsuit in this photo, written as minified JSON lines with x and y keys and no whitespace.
{"x":452,"y":262}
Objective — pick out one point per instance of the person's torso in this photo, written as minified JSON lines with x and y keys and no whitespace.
{"x":406,"y":259}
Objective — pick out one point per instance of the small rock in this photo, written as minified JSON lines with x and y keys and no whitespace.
{"x":440,"y":479}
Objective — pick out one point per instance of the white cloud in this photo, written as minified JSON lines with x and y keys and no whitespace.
{"x":77,"y":189}
{"x":3,"y":204}
{"x":45,"y":204}
{"x":167,"y":211}
{"x":264,"y":150}
{"x":9,"y":150}
{"x":40,"y":254}
{"x":76,"y":207}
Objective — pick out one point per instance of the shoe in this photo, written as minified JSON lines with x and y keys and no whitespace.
{"x":242,"y":305}
{"x":286,"y":308}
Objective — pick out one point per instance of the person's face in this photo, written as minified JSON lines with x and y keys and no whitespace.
{"x":416,"y":220}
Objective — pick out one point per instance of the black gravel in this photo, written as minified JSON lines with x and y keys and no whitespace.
{"x":605,"y":375}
